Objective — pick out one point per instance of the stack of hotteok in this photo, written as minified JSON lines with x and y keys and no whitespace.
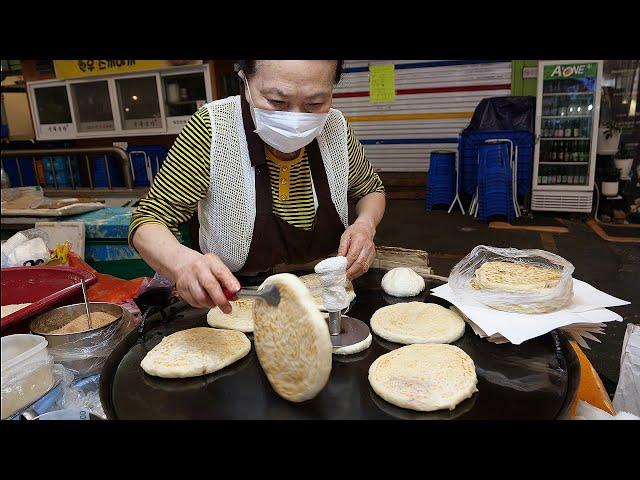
{"x":510,"y":295}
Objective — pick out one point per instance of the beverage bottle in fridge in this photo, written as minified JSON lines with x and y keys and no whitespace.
{"x":586,"y":154}
{"x":576,"y":127}
{"x":568,"y":128}
{"x":554,"y":153}
{"x":563,"y":105}
{"x":578,"y":150}
{"x":568,"y":155}
{"x":547,"y":151}
{"x":569,"y":152}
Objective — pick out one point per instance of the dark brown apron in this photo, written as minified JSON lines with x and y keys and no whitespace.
{"x":275,"y":241}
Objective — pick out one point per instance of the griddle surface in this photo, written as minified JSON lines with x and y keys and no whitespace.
{"x":535,"y":380}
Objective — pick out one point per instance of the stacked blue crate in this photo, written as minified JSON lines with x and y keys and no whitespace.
{"x":442,"y":179}
{"x":468,"y":154}
{"x":495,"y":190}
{"x":105,"y":168}
{"x":156,"y":155}
{"x":21,"y":171}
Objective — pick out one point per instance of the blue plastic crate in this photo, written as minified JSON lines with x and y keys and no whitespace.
{"x":99,"y":168}
{"x":441,"y":179}
{"x":468,"y":155}
{"x":494,"y":184}
{"x":29,"y":177}
{"x":157,"y":154}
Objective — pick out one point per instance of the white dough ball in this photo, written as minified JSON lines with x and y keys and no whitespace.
{"x":402,"y":282}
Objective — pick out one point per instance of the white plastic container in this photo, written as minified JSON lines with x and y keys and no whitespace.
{"x":609,"y":189}
{"x":26,"y":371}
{"x":624,"y":165}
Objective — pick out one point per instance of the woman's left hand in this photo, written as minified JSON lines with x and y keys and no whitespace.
{"x":357,"y":245}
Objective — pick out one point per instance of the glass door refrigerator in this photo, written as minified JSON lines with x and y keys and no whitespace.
{"x":567,"y":115}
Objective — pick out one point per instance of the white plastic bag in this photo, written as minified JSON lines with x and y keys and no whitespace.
{"x":586,"y":411}
{"x":521,"y":302}
{"x":627,"y":396}
{"x":27,"y":245}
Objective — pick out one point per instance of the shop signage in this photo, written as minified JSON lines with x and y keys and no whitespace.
{"x":574,"y":70}
{"x":87,"y":68}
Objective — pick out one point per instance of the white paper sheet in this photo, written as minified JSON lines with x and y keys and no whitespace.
{"x":586,"y":297}
{"x":517,"y":327}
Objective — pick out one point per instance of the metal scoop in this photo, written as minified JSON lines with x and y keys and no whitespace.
{"x":86,"y":304}
{"x":270,"y":294}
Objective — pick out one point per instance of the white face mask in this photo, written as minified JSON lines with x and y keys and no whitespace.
{"x":286,"y":131}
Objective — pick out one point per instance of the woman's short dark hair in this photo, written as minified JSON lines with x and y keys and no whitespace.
{"x":249,"y":68}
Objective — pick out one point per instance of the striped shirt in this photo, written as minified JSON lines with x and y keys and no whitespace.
{"x":184,"y":180}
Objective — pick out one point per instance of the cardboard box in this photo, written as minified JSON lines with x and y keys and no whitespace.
{"x":18,"y":114}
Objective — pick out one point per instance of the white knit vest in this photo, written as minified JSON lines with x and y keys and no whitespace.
{"x":228,"y":211}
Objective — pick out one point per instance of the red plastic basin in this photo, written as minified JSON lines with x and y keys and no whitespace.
{"x":40,"y":286}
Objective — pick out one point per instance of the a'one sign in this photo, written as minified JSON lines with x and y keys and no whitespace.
{"x":573,"y":70}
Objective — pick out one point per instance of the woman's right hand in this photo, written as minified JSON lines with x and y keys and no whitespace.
{"x":200,"y":279}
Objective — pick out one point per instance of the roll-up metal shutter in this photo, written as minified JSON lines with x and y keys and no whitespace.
{"x":434,"y":101}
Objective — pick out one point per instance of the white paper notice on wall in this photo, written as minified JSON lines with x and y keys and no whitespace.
{"x":529,"y":72}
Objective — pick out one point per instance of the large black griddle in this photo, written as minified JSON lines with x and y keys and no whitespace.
{"x":535,"y":380}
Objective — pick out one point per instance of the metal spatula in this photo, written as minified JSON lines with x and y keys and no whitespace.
{"x":270,"y":294}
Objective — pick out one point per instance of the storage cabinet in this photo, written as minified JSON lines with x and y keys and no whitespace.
{"x":51,"y":111}
{"x":141,"y":103}
{"x":92,"y":107}
{"x":184,"y":93}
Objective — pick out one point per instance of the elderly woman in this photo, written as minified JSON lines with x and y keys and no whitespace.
{"x":270,"y":172}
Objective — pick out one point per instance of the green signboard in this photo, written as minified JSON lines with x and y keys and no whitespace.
{"x":571,"y":70}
